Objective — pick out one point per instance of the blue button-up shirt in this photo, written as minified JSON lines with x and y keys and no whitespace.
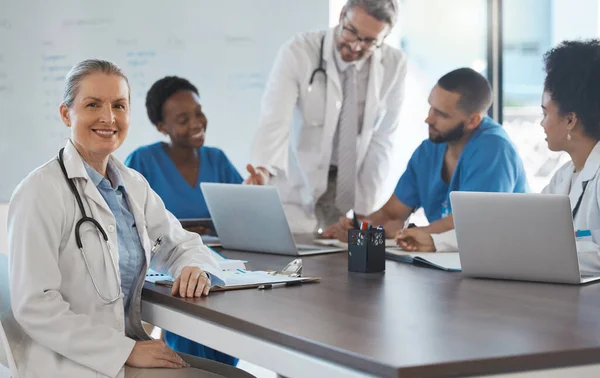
{"x":131,"y":252}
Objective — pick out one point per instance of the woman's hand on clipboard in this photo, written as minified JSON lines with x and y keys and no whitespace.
{"x":192,"y":282}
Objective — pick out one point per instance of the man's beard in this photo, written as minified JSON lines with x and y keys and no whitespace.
{"x":452,"y":135}
{"x":356,"y":56}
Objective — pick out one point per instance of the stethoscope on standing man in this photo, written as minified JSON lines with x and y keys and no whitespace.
{"x":314,"y":107}
{"x":320,"y":68}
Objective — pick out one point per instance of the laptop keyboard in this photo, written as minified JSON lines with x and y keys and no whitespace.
{"x":305,"y":247}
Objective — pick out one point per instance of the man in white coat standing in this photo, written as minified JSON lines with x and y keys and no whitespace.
{"x":329,"y":117}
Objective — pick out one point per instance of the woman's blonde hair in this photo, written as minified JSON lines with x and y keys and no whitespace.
{"x":85,"y":68}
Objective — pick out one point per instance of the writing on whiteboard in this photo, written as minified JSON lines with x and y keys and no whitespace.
{"x":246,"y":81}
{"x":87,"y":22}
{"x":5,"y":87}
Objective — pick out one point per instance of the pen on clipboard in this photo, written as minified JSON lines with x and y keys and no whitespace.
{"x":276,"y":285}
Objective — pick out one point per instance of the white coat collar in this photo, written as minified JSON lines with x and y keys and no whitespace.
{"x":372,"y":105}
{"x":73,"y":162}
{"x":75,"y":169}
{"x":575,"y":190}
{"x":330,"y":66}
{"x":590,"y":169}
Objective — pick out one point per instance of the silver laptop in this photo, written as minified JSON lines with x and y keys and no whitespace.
{"x":517,"y":236}
{"x":251,"y":218}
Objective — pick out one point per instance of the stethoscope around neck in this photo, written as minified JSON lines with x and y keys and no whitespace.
{"x":84,"y":219}
{"x":320,"y":68}
{"x":578,"y":204}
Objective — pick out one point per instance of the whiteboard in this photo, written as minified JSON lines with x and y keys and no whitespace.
{"x":224,"y":47}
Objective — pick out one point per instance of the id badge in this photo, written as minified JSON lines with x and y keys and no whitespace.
{"x":583,"y":236}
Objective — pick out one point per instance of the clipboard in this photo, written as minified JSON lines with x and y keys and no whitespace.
{"x":302,"y":280}
{"x":239,"y":279}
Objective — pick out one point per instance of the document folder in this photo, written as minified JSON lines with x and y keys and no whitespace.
{"x":447,"y":261}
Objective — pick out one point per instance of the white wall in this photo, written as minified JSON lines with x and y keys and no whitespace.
{"x":3,"y":240}
{"x":226,"y":48}
{"x":574,"y":20}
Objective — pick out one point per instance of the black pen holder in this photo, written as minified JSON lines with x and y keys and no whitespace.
{"x":366,"y":250}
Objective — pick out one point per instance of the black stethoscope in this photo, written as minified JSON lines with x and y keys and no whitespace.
{"x":98,"y":227}
{"x":320,"y":68}
{"x":576,"y":208}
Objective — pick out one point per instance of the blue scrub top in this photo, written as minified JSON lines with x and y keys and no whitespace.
{"x":489,"y":162}
{"x":184,"y":201}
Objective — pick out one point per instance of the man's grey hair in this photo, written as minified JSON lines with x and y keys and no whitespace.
{"x":383,"y":10}
{"x":83,"y":69}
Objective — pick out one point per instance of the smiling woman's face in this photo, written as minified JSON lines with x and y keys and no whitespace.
{"x":99,"y":115}
{"x":183,"y":120}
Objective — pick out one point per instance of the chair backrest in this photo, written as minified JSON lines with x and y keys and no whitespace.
{"x":6,"y":356}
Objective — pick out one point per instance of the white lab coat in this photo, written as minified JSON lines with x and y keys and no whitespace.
{"x":63,"y":328}
{"x":297,"y":126}
{"x":588,"y":215}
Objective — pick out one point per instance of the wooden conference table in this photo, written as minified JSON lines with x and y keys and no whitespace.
{"x":407,"y":322}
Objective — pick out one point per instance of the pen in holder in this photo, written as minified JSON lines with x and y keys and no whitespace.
{"x":366,"y":250}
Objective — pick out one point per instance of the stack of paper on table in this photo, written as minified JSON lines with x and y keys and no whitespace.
{"x":228,"y":264}
{"x":223,"y":263}
{"x":448,"y":261}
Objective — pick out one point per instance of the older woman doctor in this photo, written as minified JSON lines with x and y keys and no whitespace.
{"x":571,"y":108}
{"x":82,"y":230}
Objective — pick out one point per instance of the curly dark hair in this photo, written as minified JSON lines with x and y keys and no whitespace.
{"x":161,"y":91}
{"x":573,"y":81}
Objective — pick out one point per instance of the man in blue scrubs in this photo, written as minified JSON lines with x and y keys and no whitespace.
{"x":466,"y":151}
